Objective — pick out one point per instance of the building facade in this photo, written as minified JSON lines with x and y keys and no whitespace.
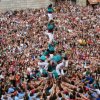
{"x":82,"y":2}
{"x":22,"y":4}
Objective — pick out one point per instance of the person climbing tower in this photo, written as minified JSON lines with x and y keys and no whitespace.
{"x":49,"y":32}
{"x":50,"y":12}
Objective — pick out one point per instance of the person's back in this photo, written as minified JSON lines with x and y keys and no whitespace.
{"x":50,"y":9}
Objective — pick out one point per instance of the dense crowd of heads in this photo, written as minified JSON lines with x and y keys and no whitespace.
{"x":50,"y":54}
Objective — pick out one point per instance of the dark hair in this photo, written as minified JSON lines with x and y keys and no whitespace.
{"x":59,"y":94}
{"x":72,"y":82}
{"x":81,"y":90}
{"x":26,"y":96}
{"x":72,"y":96}
{"x":31,"y":94}
{"x":54,"y":97}
{"x":74,"y":93}
{"x":36,"y":91}
{"x":63,"y":99}
{"x":44,"y":96}
{"x":50,"y":6}
{"x":78,"y":95}
{"x":39,"y":95}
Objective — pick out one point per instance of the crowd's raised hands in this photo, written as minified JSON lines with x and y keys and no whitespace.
{"x":50,"y":54}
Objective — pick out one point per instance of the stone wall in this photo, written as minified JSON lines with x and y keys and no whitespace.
{"x":22,"y":4}
{"x":81,"y":2}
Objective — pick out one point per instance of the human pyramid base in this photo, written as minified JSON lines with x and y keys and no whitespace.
{"x":50,"y":54}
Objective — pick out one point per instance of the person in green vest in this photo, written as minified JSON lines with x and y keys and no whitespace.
{"x":44,"y":73}
{"x":51,"y":48}
{"x":46,"y":52}
{"x":42,"y":64}
{"x":51,"y":66}
{"x":50,"y":11}
{"x":42,"y":58}
{"x":51,"y":26}
{"x":49,"y":32}
{"x":55,"y":74}
{"x":57,"y":58}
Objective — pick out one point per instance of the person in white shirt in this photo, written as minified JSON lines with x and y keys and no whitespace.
{"x":50,"y":36}
{"x":43,"y":64}
{"x":50,"y":16}
{"x":59,"y":68}
{"x":50,"y":11}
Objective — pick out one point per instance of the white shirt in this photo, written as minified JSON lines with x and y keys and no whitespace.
{"x":59,"y":66}
{"x":1,"y":76}
{"x":50,"y":35}
{"x":43,"y":65}
{"x":98,"y":91}
{"x":50,"y":16}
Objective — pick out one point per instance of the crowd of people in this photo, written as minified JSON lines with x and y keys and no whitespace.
{"x":50,"y":54}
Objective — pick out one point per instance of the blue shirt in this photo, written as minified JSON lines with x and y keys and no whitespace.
{"x":21,"y":95}
{"x":31,"y":97}
{"x":90,"y":79}
{"x":10,"y":90}
{"x":16,"y":98}
{"x":98,"y":99}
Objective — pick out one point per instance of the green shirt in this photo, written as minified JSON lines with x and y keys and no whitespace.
{"x":43,"y":58}
{"x":45,"y":53}
{"x":50,"y":68}
{"x":51,"y":47}
{"x":38,"y":74}
{"x":50,"y":26}
{"x":55,"y":74}
{"x":44,"y":71}
{"x":50,"y":10}
{"x":57,"y":58}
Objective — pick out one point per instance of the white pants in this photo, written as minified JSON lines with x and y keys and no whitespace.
{"x":66,"y":63}
{"x":50,"y":16}
{"x":41,"y":71}
{"x":42,"y":65}
{"x":50,"y":35}
{"x":59,"y":68}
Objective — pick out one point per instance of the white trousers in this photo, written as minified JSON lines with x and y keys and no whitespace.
{"x":51,"y":36}
{"x":50,"y":16}
{"x":59,"y":68}
{"x":66,"y":63}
